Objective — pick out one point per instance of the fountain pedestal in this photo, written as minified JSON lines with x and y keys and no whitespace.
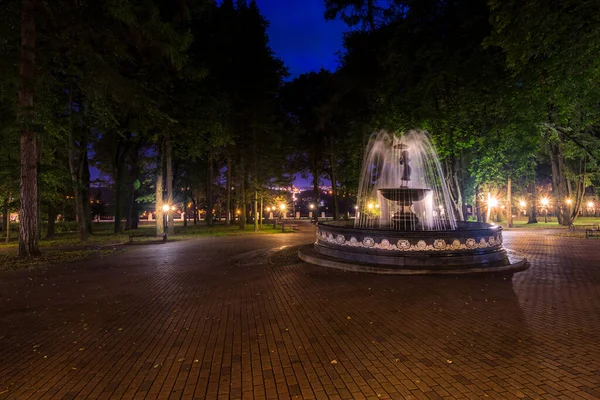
{"x":404,"y":197}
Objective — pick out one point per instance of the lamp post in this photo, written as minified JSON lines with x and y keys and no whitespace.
{"x":165,"y":209}
{"x":282,"y":208}
{"x":294,"y":204}
{"x":492,"y":202}
{"x":522,"y":203}
{"x":545,"y":203}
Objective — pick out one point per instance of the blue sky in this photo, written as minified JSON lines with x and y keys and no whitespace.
{"x":300,"y":36}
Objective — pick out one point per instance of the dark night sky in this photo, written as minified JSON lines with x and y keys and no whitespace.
{"x":300,"y":36}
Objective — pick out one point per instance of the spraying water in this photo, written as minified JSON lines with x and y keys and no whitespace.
{"x":402,"y":185}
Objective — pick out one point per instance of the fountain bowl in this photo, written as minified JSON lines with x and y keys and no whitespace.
{"x":404,"y":195}
{"x":471,"y":248}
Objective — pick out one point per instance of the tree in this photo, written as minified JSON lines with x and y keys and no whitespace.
{"x":368,"y":14}
{"x":560,"y":79}
{"x":28,"y":215}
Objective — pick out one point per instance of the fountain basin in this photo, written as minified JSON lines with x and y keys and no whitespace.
{"x":472,"y":247}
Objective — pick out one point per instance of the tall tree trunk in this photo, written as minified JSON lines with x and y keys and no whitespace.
{"x":84,"y":177}
{"x":247,"y":203}
{"x":334,"y":194}
{"x":553,"y":153}
{"x":255,"y":208}
{"x":463,"y":205}
{"x":169,"y":165}
{"x":39,"y":196}
{"x":129,"y":217}
{"x":242,"y":216}
{"x":563,"y":213}
{"x":261,"y":210}
{"x":132,"y":212}
{"x":209,"y":192}
{"x":455,"y":188}
{"x":118,"y":199}
{"x":316,"y":193}
{"x":6,"y":218}
{"x":533,"y":210}
{"x":580,"y":192}
{"x":254,"y":178}
{"x":228,"y":202}
{"x":194,"y":204}
{"x":509,"y":218}
{"x":478,"y":212}
{"x":185,"y":210}
{"x":51,"y":221}
{"x":347,"y":205}
{"x":28,"y":210}
{"x":160,"y":224}
{"x":75,"y":170}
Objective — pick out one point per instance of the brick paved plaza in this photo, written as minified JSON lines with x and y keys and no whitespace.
{"x":241,"y":317}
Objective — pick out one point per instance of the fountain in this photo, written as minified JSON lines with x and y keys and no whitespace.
{"x":405,"y":222}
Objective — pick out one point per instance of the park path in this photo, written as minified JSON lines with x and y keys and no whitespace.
{"x":241,"y":317}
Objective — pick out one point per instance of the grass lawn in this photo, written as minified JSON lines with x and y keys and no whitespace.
{"x":552,"y":223}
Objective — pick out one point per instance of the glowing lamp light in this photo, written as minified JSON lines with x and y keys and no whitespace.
{"x":590,"y":204}
{"x":356,"y":207}
{"x":522,"y":204}
{"x":493,"y":202}
{"x":268,"y":208}
{"x":370,"y":206}
{"x":282,"y":207}
{"x":311,"y":206}
{"x":172,"y":208}
{"x":376,"y":205}
{"x":165,"y":207}
{"x":569,"y":201}
{"x":545,"y":201}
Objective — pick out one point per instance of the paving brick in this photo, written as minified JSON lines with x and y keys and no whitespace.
{"x":212,"y":318}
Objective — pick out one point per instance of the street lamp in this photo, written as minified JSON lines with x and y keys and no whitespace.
{"x":491,"y":203}
{"x":569,"y":201}
{"x":545,"y":203}
{"x":294,"y":204}
{"x":522,"y":204}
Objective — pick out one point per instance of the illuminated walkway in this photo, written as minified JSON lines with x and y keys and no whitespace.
{"x":220,"y":318}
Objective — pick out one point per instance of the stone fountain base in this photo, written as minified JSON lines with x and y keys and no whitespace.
{"x":473,"y":247}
